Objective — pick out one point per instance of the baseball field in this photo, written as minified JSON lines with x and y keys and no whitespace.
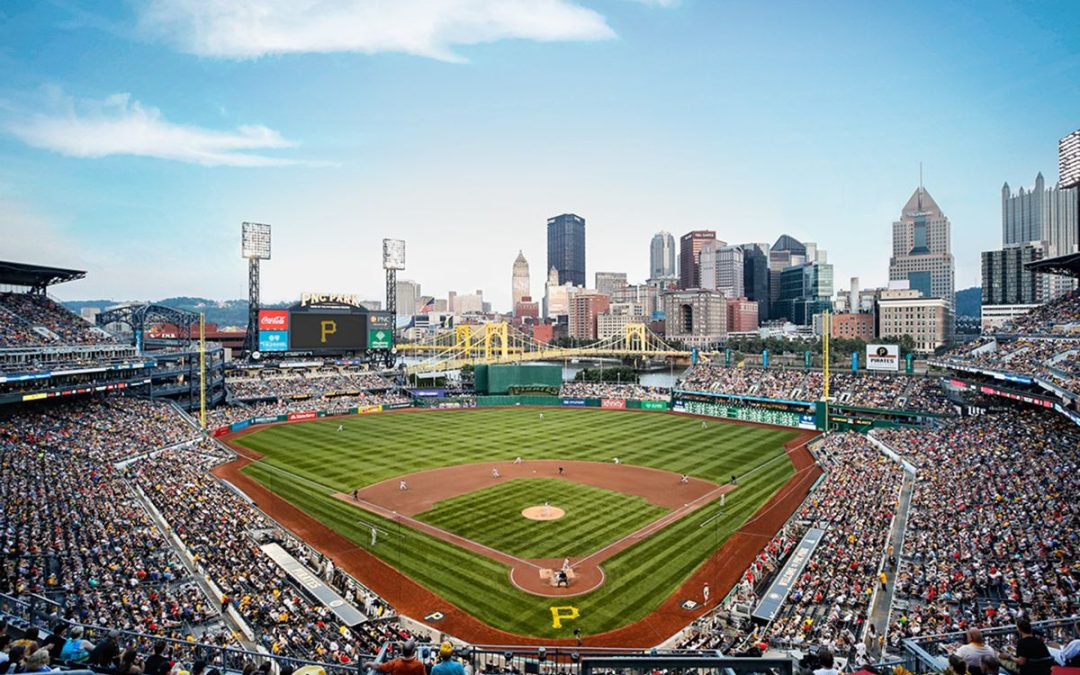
{"x":634,"y":530}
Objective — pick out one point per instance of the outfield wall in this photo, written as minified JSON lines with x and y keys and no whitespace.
{"x":570,"y":402}
{"x":304,"y":415}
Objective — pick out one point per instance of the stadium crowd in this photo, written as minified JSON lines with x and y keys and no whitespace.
{"x":1043,"y":343}
{"x":992,"y":534}
{"x":74,"y":488}
{"x":215,"y":526}
{"x":615,"y":391}
{"x":224,"y":415}
{"x":304,"y":384}
{"x":828,"y":603}
{"x":25,"y":314}
{"x":793,"y":384}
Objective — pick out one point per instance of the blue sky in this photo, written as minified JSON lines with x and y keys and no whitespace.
{"x":135,"y":137}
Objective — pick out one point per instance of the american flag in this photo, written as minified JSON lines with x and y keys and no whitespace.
{"x":427,"y":304}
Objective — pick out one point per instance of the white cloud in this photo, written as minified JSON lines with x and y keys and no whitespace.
{"x":253,"y":28}
{"x":120,"y":126}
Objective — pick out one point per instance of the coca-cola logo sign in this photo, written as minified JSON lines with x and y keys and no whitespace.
{"x":273,"y":319}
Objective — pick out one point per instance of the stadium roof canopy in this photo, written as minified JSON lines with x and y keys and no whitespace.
{"x":37,"y":277}
{"x":1065,"y":265}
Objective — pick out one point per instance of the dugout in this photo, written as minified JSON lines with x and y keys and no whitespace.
{"x":518,"y":378}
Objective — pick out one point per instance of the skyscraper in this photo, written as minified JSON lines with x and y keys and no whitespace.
{"x":1047,"y":219}
{"x":1069,"y":169}
{"x":722,"y":268}
{"x":408,"y":294}
{"x":690,"y":256}
{"x":662,"y":256}
{"x":921,"y":251}
{"x":519,"y":285}
{"x":566,"y":247}
{"x":1069,"y":160}
{"x":756,"y":276}
{"x":1039,"y":214}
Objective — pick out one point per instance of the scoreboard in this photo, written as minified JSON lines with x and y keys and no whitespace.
{"x":326,"y":327}
{"x":325,"y":331}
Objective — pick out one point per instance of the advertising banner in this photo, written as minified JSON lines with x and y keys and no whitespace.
{"x":220,"y":431}
{"x":883,"y":357}
{"x":428,"y":393}
{"x":238,"y":426}
{"x":574,"y":402}
{"x":654,"y":405}
{"x":306,"y":415}
{"x":273,"y":319}
{"x":613,"y":403}
{"x":368,"y":409}
{"x":380,"y":338}
{"x":269,"y":419}
{"x":306,"y":579}
{"x":776,"y":594}
{"x":273,"y":340}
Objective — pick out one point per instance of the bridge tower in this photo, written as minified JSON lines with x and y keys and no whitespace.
{"x":493,"y":332}
{"x":463,"y":339}
{"x":635,"y":338}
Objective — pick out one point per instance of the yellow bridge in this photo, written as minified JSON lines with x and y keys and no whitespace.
{"x":494,"y":343}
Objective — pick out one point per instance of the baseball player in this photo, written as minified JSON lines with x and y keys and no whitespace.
{"x":402,"y":485}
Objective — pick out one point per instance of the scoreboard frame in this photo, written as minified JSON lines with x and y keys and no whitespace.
{"x":323,"y":327}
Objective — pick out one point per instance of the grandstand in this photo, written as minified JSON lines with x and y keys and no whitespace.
{"x":958,"y":509}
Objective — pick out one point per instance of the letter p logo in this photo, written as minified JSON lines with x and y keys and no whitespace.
{"x":328,"y":328}
{"x":560,"y":614}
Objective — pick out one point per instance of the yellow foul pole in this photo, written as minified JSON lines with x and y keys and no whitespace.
{"x":826,"y":329}
{"x":202,"y":370}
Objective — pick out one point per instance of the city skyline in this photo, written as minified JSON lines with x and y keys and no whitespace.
{"x":134,"y":145}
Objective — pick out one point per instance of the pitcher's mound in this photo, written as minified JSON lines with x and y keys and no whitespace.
{"x":543,"y":513}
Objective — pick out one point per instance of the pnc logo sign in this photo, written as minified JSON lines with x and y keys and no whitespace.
{"x":273,"y":319}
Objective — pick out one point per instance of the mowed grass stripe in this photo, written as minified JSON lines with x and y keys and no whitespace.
{"x":637,"y":579}
{"x":492,"y":516}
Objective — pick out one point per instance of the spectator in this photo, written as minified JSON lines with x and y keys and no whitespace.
{"x":158,"y":663}
{"x":1032,"y":657}
{"x":406,"y":664}
{"x":975,"y":650}
{"x":107,"y":653}
{"x":826,"y":659}
{"x":37,"y":662}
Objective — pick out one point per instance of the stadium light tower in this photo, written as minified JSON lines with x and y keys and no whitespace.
{"x":255,"y":246}
{"x":393,"y":259}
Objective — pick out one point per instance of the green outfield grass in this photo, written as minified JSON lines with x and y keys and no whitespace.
{"x":306,"y":463}
{"x":492,"y":516}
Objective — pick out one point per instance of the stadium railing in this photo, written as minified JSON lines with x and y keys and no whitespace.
{"x":585,"y":660}
{"x":31,"y":610}
{"x":930,"y":653}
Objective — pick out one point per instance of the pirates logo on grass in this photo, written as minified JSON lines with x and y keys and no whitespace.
{"x":560,"y":614}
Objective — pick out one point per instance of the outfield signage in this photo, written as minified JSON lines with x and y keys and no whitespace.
{"x":273,"y":340}
{"x":269,"y":419}
{"x":613,"y":403}
{"x":306,"y":415}
{"x":428,"y":393}
{"x":883,"y":357}
{"x":574,"y":402}
{"x":653,"y":405}
{"x":380,"y":338}
{"x":781,"y":586}
{"x":346,"y":613}
{"x":220,"y":431}
{"x":240,"y":426}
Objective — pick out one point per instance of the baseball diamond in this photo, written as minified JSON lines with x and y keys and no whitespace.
{"x":633,"y":533}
